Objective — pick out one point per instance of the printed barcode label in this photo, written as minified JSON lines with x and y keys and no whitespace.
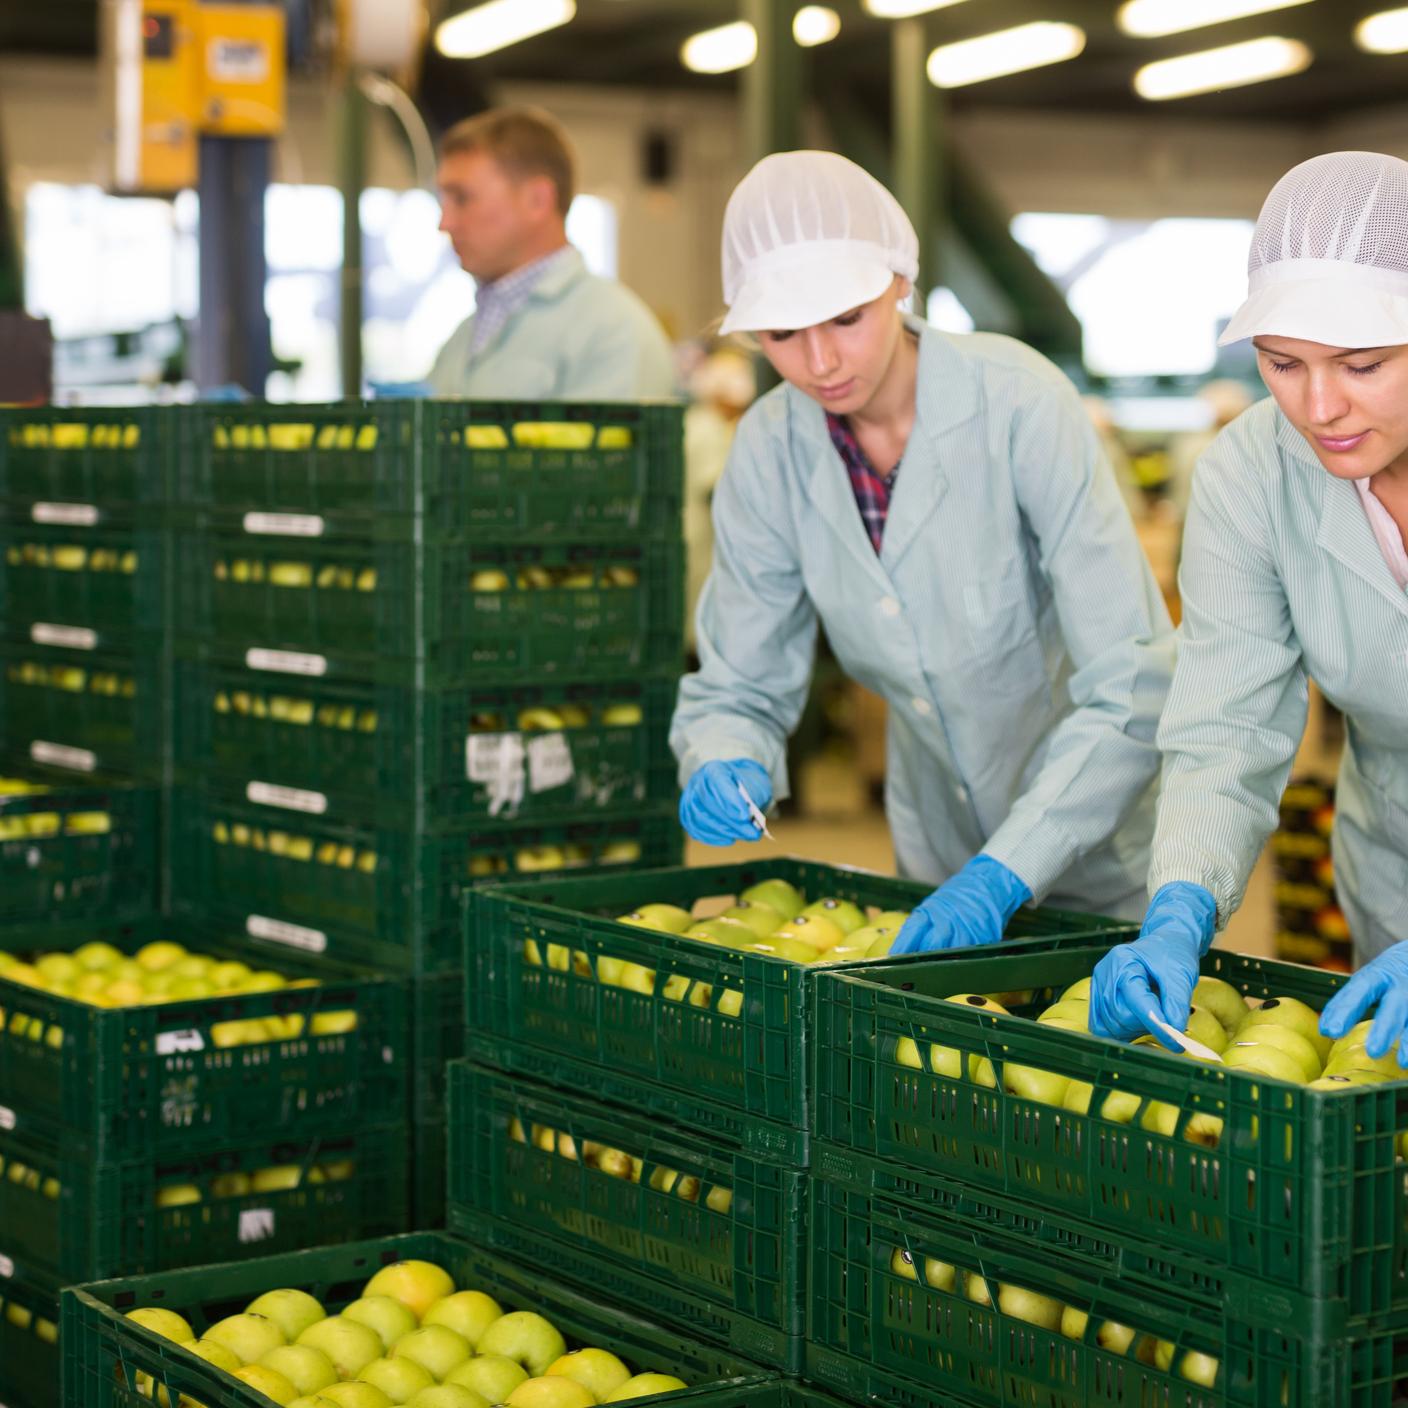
{"x":286,"y":662}
{"x":549,"y":762}
{"x":285,"y":525}
{"x":60,"y":755}
{"x":293,"y":799}
{"x":185,"y":1039}
{"x":69,"y":515}
{"x":259,"y":926}
{"x":71,"y":637}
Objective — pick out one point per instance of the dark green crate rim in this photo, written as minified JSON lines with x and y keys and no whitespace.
{"x":757,"y":1062}
{"x":1303,"y":1191}
{"x":734,"y":1278}
{"x":102,"y":1353}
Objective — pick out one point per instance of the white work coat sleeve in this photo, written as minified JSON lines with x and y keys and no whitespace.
{"x":1237,"y":709}
{"x":756,"y":629}
{"x":1102,"y":756}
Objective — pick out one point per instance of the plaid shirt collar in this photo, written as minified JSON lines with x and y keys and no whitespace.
{"x":872,"y":489}
{"x":498,"y":300}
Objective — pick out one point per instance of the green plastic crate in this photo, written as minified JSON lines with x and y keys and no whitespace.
{"x":733,"y":1273}
{"x":438,"y":1035}
{"x":428,"y":1171}
{"x":29,"y":1358}
{"x":85,"y":711}
{"x":83,"y":850}
{"x":749,"y":1069}
{"x":99,"y":456}
{"x":876,"y":1334}
{"x":373,"y":890}
{"x":103,"y":1353}
{"x":1302,"y":1191}
{"x":122,"y":1083}
{"x":106,"y":582}
{"x":413,"y":612}
{"x":464,"y":468}
{"x":528,"y":751}
{"x":79,"y":1218}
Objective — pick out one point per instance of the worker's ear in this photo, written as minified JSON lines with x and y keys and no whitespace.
{"x":539,"y":196}
{"x":902,"y":287}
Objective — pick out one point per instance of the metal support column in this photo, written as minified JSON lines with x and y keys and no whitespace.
{"x":232,"y":334}
{"x":351,"y":177}
{"x":772,"y":83}
{"x":918,"y":138}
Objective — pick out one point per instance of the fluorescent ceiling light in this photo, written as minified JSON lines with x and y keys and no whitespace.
{"x":1006,"y":51}
{"x":721,"y":50}
{"x":1150,"y":19}
{"x":1232,"y":66}
{"x":1384,"y":33}
{"x":498,"y":24}
{"x":815,"y":24}
{"x":903,"y":9}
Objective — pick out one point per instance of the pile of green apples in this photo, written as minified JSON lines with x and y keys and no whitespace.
{"x":411,"y":1338}
{"x":1048,"y":1313}
{"x":101,"y":975}
{"x":1279,"y":1038}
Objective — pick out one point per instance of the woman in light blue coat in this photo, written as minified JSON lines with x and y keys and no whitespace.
{"x":941,"y":507}
{"x":1294,"y":568}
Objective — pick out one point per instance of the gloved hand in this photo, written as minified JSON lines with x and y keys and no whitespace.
{"x":1159,"y":970}
{"x":712,"y":810}
{"x":1384,"y":981}
{"x":972,"y":907}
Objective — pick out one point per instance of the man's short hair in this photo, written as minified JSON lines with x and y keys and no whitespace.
{"x":524,"y":141}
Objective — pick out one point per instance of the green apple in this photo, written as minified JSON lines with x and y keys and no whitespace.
{"x":249,"y":1337}
{"x":467,"y":1313}
{"x":1345,"y":1080}
{"x":892,"y":919}
{"x":731,"y":933}
{"x":1288,"y":1012}
{"x":813,"y":929}
{"x":939,"y":1274}
{"x":526,"y":1338}
{"x":1160,"y":1118}
{"x":269,"y":1382}
{"x":1164,"y":1350}
{"x":776,"y":894}
{"x":1119,"y":1106}
{"x":350,"y":1346}
{"x":1079,"y":991}
{"x":449,"y":1395}
{"x":1357,"y":1059}
{"x":165,"y":1323}
{"x":1029,"y":1083}
{"x":669,"y":918}
{"x":782,"y":945}
{"x":277,"y":1178}
{"x":95,"y":956}
{"x":1113,"y":1337}
{"x":306,"y":1368}
{"x":876,"y":937}
{"x":1223,"y":1001}
{"x":434,"y":1347}
{"x":1022,"y":1304}
{"x":292,"y":1311}
{"x":309,"y":1400}
{"x":1356,"y":1037}
{"x":1264,"y":1060}
{"x":492,"y":1375}
{"x":1284,"y":1039}
{"x":975,"y":999}
{"x":976,"y":1289}
{"x":551,"y":1393}
{"x":1073,"y":1322}
{"x":761,"y":919}
{"x":597,"y":1370}
{"x":1204,"y":1027}
{"x":902,"y":1264}
{"x":399,"y":1379}
{"x":847,"y":952}
{"x":644,"y":1385}
{"x":416,"y":1284}
{"x":842,"y":913}
{"x":389,"y":1318}
{"x":907,"y":1054}
{"x":354,"y":1394}
{"x":1075,"y":1015}
{"x":1199,"y":1368}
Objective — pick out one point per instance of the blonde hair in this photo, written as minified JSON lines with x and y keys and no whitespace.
{"x":524,"y":141}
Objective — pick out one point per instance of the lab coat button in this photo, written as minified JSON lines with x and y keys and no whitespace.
{"x":962,"y":794}
{"x":889,"y":606}
{"x":921,"y":706}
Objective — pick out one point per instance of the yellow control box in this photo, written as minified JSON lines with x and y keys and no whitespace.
{"x":241,"y":70}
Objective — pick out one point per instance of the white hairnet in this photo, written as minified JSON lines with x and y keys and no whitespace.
{"x":808,"y":236}
{"x":1329,"y":258}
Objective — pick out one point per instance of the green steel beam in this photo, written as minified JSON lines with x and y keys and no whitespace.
{"x":772,"y":83}
{"x":916,"y":118}
{"x":351,"y":177}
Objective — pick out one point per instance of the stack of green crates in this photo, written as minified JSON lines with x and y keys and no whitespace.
{"x":1310,"y":925}
{"x":634,"y":1116}
{"x":420,"y":645}
{"x":1199,"y":1235}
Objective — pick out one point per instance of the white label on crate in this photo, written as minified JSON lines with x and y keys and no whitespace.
{"x":60,"y":755}
{"x":72,"y":637}
{"x":293,"y":799}
{"x":496,"y":759}
{"x":7,"y":1267}
{"x":69,"y":515}
{"x":7,"y":1117}
{"x":184,"y":1039}
{"x":258,"y":926}
{"x":285,"y":525}
{"x":549,"y":762}
{"x":256,"y":1224}
{"x":286,"y":662}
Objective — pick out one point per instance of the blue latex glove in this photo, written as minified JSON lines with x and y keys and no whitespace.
{"x":972,"y":907}
{"x":1384,"y":981}
{"x":711,"y":809}
{"x":1159,"y":970}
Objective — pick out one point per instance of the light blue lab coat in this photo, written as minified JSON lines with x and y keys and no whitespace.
{"x":577,"y":338}
{"x":1282,"y":578}
{"x":1010,"y":621}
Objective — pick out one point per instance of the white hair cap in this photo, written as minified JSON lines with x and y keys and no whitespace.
{"x":1329,"y":258}
{"x":808,"y":236}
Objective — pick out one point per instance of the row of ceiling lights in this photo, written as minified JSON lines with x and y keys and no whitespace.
{"x":499,"y":23}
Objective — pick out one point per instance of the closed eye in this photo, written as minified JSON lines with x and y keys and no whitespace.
{"x":1281,"y":366}
{"x":1368,"y":370}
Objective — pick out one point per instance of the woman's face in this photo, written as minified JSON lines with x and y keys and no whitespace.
{"x":1350,"y":404}
{"x":842,"y":362}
